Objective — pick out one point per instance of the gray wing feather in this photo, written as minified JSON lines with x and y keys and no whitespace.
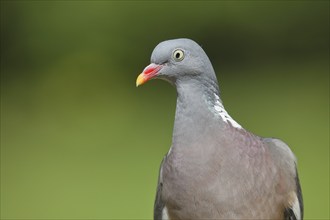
{"x":159,"y":203}
{"x":283,"y":153}
{"x":299,"y":195}
{"x":289,"y":213}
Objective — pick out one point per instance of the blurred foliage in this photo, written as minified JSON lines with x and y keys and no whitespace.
{"x":78,"y":140}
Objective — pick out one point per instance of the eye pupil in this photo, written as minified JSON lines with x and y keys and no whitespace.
{"x":178,"y":55}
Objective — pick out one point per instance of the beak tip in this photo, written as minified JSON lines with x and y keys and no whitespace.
{"x":140,"y":80}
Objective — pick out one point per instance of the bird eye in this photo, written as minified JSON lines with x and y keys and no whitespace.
{"x":178,"y":55}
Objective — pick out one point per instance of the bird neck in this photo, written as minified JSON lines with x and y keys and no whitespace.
{"x":194,"y":109}
{"x":199,"y":93}
{"x":199,"y":110}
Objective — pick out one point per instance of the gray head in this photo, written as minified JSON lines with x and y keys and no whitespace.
{"x":178,"y":60}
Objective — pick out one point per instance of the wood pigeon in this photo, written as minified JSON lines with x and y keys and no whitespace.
{"x":216,"y":169}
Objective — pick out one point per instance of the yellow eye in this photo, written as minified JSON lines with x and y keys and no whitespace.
{"x":178,"y":55}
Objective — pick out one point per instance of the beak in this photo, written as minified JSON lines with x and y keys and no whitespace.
{"x":148,"y":73}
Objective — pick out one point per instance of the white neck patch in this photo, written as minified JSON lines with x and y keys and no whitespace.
{"x":223,"y":113}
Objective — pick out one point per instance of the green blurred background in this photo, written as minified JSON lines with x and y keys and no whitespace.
{"x":79,"y":140}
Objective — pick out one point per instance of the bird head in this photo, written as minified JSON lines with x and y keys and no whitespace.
{"x":177,"y":60}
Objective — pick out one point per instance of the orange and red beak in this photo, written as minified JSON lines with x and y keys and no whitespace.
{"x":148,"y":73}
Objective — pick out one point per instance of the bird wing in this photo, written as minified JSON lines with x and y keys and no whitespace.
{"x":159,"y":203}
{"x":286,"y":161}
{"x":295,"y":211}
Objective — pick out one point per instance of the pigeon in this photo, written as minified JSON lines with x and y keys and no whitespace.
{"x":216,"y":169}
